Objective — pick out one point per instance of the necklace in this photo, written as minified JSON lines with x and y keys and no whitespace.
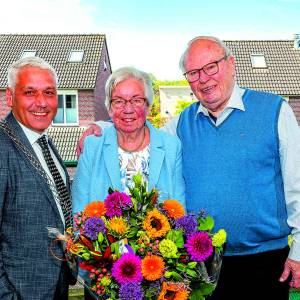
{"x":139,"y":146}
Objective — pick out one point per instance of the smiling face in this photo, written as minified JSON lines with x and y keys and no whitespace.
{"x":34,"y":98}
{"x":129,"y":118}
{"x":215,"y":90}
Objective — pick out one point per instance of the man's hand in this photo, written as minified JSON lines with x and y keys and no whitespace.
{"x":93,"y":129}
{"x":291,"y":266}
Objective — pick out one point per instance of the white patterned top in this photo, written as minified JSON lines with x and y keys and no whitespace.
{"x":132,"y":163}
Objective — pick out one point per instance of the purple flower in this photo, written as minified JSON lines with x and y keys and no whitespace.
{"x":199,"y":246}
{"x":187,"y":223}
{"x":92,"y":227}
{"x":115,"y":202}
{"x":127,"y":269}
{"x":131,"y":291}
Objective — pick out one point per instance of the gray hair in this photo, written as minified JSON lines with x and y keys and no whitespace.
{"x":27,"y":61}
{"x":227,"y":51}
{"x":125,"y":73}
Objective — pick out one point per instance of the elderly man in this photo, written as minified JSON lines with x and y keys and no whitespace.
{"x":33,"y":188}
{"x":241,"y":163}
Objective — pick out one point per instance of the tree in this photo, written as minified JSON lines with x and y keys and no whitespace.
{"x":182,"y":105}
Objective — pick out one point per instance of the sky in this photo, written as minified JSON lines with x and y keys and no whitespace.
{"x":152,"y":34}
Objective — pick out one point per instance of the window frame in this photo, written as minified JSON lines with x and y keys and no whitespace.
{"x":28,"y":51}
{"x":256,"y":55}
{"x":64,"y":93}
{"x":76,"y":51}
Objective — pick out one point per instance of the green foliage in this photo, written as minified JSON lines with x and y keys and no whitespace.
{"x":154,"y":115}
{"x":206,"y":223}
{"x":182,"y":105}
{"x":157,"y":83}
{"x":177,"y":237}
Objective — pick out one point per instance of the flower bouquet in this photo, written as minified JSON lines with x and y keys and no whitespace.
{"x":136,"y":248}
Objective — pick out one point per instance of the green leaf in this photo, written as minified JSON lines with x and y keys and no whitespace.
{"x":192,"y":265}
{"x":115,"y":247}
{"x":177,"y":237}
{"x":176,"y":276}
{"x":133,"y":232}
{"x":100,"y":237}
{"x":207,"y":288}
{"x":96,"y":246}
{"x":196,"y":295}
{"x":168,"y":274}
{"x":180,"y":267}
{"x":110,"y":190}
{"x":206,"y":223}
{"x":86,"y":256}
{"x":133,"y":221}
{"x":192,"y":273}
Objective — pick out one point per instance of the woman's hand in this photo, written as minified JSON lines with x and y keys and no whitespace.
{"x":93,"y":129}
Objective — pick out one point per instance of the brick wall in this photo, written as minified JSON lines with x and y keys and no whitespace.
{"x":91,"y":103}
{"x":294,"y":102}
{"x":86,"y":107}
{"x":103,"y":74}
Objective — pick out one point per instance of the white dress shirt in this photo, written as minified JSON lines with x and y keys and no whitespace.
{"x":33,"y":136}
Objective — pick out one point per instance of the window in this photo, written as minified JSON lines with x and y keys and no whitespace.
{"x":258,"y":61}
{"x":67,"y":112}
{"x":28,"y":53}
{"x":76,"y":56}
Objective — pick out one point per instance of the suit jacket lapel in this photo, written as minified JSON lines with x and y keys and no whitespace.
{"x":14,"y":125}
{"x":157,"y":155}
{"x":111,"y":157}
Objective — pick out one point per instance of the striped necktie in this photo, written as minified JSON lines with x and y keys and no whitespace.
{"x":64,"y":196}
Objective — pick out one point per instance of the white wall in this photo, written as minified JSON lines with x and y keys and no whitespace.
{"x":169,"y":95}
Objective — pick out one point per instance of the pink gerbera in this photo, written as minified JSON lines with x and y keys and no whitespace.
{"x":115,"y":202}
{"x":127,"y":269}
{"x":199,"y":246}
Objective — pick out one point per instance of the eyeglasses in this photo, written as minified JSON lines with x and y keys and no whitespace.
{"x":119,"y":103}
{"x":209,"y":69}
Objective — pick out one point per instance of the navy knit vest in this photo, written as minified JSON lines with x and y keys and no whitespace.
{"x":233,"y":172}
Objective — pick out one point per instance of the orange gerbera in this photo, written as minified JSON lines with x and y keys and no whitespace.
{"x":173,"y":208}
{"x":156,"y":224}
{"x":175,"y":291}
{"x":117,"y":225}
{"x":95,"y":209}
{"x":152,"y":267}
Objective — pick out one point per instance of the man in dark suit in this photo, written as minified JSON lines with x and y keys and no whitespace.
{"x":32,"y":196}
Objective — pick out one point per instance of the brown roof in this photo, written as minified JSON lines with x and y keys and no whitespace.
{"x":282,"y":75}
{"x":65,"y":139}
{"x":55,"y":49}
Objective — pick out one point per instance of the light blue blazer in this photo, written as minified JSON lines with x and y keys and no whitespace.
{"x":98,"y":167}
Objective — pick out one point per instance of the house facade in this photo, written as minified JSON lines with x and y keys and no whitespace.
{"x":265,"y":65}
{"x":83,"y":66}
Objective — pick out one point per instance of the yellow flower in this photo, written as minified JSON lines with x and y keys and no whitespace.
{"x":156,"y":224}
{"x":117,"y":225}
{"x":219,"y":238}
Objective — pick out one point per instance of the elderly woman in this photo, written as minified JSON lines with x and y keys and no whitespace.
{"x":132,"y":145}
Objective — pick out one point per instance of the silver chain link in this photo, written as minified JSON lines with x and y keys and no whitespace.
{"x":32,"y":159}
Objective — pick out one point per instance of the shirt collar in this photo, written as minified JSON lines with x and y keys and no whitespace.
{"x":31,"y":135}
{"x":235,"y":101}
